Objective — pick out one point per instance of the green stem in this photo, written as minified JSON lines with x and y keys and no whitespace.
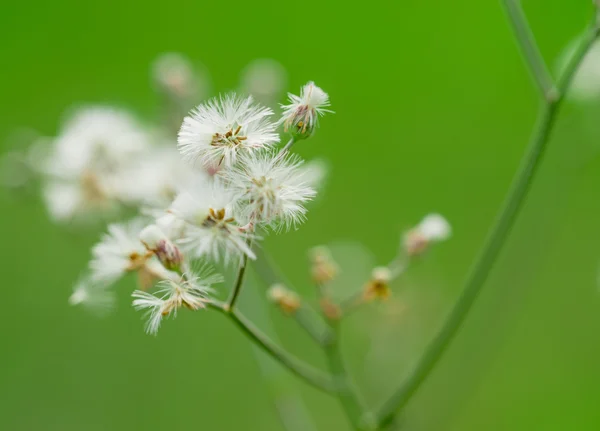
{"x":347,"y":395}
{"x":310,"y":375}
{"x":496,"y":239}
{"x":265,"y":270}
{"x":529,"y":48}
{"x":239,"y":281}
{"x":286,"y":148}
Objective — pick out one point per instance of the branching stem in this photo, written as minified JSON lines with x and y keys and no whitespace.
{"x":504,"y":222}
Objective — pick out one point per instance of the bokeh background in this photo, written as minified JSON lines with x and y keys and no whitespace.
{"x":433,"y":111}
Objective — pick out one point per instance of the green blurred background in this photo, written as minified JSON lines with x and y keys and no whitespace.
{"x":433,"y":111}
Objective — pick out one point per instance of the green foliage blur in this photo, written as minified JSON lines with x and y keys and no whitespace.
{"x":434,"y":108}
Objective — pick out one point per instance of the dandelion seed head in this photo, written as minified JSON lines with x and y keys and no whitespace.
{"x":272,"y":190}
{"x":220,"y":130}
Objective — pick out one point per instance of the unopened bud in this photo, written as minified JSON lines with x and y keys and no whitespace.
{"x":157,"y":242}
{"x":378,"y":286}
{"x":174,"y":74}
{"x":330,"y":309}
{"x":289,"y":302}
{"x":323,"y":267}
{"x":433,"y":228}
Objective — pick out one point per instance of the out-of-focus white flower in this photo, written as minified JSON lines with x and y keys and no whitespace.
{"x":190,"y":291}
{"x":93,"y":297}
{"x":121,"y":251}
{"x":273,"y":190}
{"x":211,"y":226}
{"x":82,"y":168}
{"x":585,"y":86}
{"x":155,"y":179}
{"x":432,"y":228}
{"x":218,"y":131}
{"x":301,"y":116}
{"x":173,"y":73}
{"x":265,"y":79}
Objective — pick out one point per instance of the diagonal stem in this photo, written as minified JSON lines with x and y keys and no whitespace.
{"x":535,"y":62}
{"x":239,"y":281}
{"x":310,"y":375}
{"x":265,"y":269}
{"x":496,"y":239}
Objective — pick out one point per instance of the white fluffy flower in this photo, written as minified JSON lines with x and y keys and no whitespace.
{"x":83,"y":164}
{"x":155,"y":178}
{"x":273,"y":190}
{"x":211,"y":226}
{"x":121,"y":251}
{"x":301,"y":116}
{"x":218,"y":131}
{"x":93,"y":297}
{"x":191,"y":291}
{"x":434,"y":227}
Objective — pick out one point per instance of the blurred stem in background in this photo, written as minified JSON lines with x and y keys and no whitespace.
{"x":290,"y":407}
{"x":552,"y":96}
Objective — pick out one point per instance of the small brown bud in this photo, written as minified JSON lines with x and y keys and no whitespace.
{"x":289,"y":302}
{"x":323,"y":267}
{"x":330,"y":310}
{"x":378,"y":287}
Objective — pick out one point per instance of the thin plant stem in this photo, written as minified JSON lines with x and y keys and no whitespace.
{"x":497,"y":237}
{"x":310,"y":375}
{"x":265,"y":269}
{"x":239,"y":281}
{"x":286,"y":148}
{"x":304,"y":316}
{"x":287,"y":400}
{"x":347,"y":396}
{"x":536,"y":64}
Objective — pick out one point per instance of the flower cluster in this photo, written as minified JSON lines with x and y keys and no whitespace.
{"x":203,"y":202}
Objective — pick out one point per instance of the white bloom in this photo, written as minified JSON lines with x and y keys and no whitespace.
{"x":191,"y":291}
{"x":273,"y":190}
{"x":211,"y":226}
{"x":155,"y":178}
{"x":121,"y":251}
{"x":435,"y":227}
{"x":301,"y":116}
{"x":264,"y":79}
{"x":83,"y":164}
{"x":174,"y":74}
{"x":218,"y":131}
{"x":93,"y":297}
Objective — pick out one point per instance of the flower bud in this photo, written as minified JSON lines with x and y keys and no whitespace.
{"x":433,"y":228}
{"x":378,"y":286}
{"x":174,"y":74}
{"x":323,"y":267}
{"x":301,"y":116}
{"x":289,"y":302}
{"x":167,"y":253}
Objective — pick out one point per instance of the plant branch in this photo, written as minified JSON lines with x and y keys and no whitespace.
{"x":310,"y":375}
{"x":286,"y":148}
{"x":239,"y":281}
{"x":265,"y":270}
{"x":496,"y":239}
{"x":347,"y":396}
{"x":535,"y":61}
